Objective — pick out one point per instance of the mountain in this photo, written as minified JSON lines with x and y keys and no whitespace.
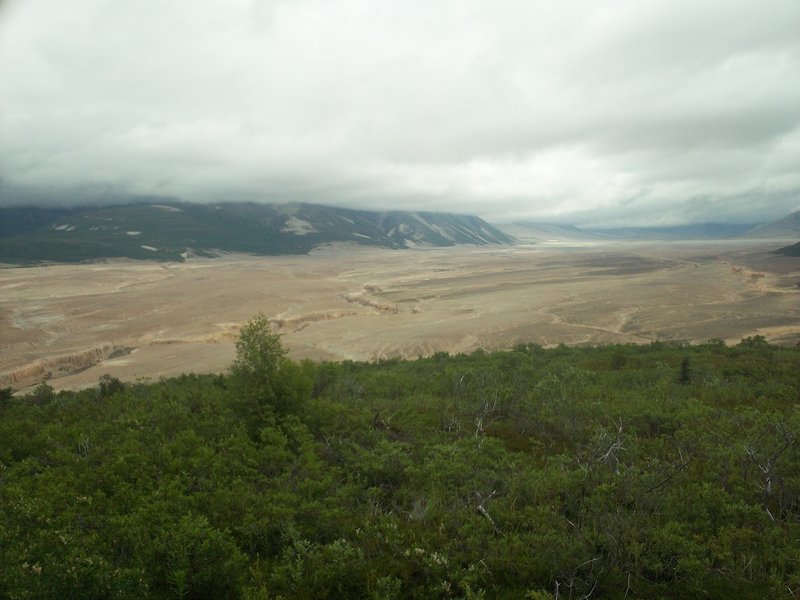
{"x":793,"y":250}
{"x":545,"y":232}
{"x":700,"y":231}
{"x":534,"y":233}
{"x":21,"y":219}
{"x":788,"y":227}
{"x":173,"y":230}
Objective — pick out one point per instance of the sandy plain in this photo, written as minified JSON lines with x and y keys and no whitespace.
{"x":69,"y":324}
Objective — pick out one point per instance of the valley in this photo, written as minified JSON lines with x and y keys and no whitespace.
{"x":69,"y":324}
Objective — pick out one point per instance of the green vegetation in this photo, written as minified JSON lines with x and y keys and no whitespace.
{"x":166,"y":230}
{"x":613,"y":472}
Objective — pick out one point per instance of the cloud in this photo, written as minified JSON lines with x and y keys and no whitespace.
{"x":642,"y":111}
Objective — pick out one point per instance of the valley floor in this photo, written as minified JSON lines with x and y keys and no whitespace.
{"x":72,"y":323}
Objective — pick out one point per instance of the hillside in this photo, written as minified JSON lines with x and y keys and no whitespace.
{"x":793,"y":250}
{"x":700,"y":231}
{"x":172,"y":231}
{"x":535,"y":233}
{"x":17,"y":220}
{"x":612,"y":472}
{"x":547,"y":232}
{"x":787,"y":228}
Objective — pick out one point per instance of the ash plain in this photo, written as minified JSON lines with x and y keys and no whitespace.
{"x":70,"y":324}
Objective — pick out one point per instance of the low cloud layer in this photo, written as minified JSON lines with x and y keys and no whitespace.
{"x":625,"y":112}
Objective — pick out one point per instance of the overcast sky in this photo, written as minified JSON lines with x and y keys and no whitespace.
{"x":598,"y":113}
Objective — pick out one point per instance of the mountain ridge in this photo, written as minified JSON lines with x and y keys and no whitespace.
{"x":791,"y":250}
{"x":168,"y":230}
{"x":786,"y":227}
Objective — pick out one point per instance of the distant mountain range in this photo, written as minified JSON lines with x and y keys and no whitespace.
{"x":527,"y":232}
{"x":173,"y":231}
{"x":702,"y":231}
{"x":544,"y":232}
{"x":176,"y":230}
{"x":535,"y":233}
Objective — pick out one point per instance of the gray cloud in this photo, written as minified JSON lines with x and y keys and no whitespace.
{"x":632,"y":112}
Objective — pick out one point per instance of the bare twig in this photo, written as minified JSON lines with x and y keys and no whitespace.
{"x":482,"y":510}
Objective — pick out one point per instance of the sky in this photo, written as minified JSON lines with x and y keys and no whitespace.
{"x":622,"y":112}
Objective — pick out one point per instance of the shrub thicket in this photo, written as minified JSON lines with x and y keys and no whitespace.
{"x":571,"y":472}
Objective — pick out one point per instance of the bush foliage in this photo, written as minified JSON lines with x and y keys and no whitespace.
{"x":600,"y":472}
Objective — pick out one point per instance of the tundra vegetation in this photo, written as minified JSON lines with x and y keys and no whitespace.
{"x":657,"y":471}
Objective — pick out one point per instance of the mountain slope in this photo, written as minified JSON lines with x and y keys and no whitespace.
{"x":170,"y":230}
{"x":793,"y":250}
{"x":787,"y":227}
{"x":700,"y":231}
{"x":548,"y":232}
{"x":21,"y":219}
